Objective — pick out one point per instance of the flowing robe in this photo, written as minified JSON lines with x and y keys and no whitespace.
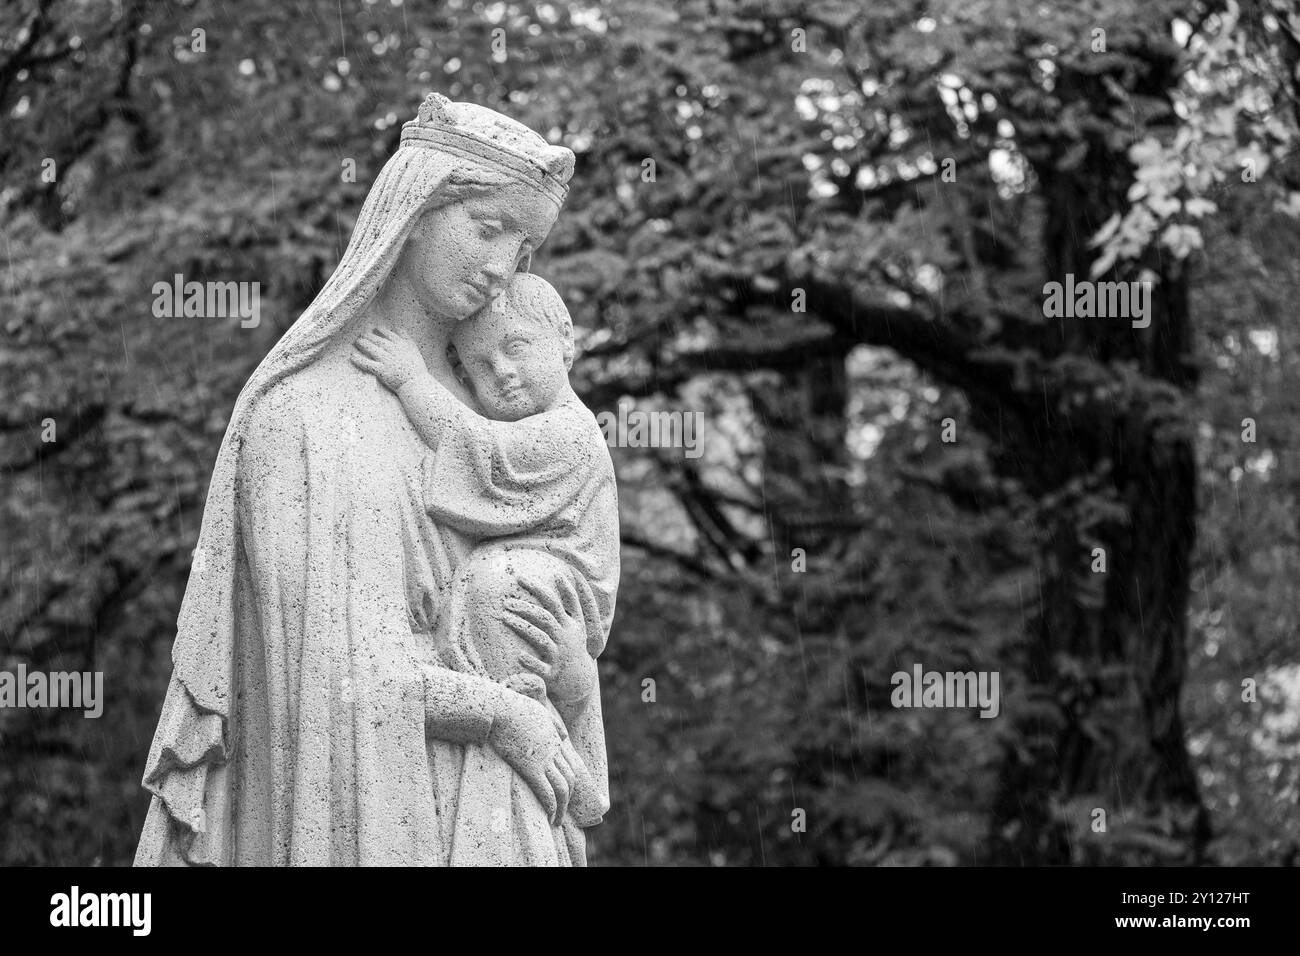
{"x":339,"y":580}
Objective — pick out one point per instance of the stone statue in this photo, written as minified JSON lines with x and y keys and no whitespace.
{"x":409,"y":553}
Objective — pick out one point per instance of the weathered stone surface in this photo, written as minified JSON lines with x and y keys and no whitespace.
{"x":386,"y":651}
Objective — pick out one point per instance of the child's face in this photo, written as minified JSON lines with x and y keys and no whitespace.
{"x":515,"y":363}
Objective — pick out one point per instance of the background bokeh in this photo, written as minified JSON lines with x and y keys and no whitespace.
{"x":840,"y":243}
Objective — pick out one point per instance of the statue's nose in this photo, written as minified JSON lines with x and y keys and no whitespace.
{"x":496,"y":274}
{"x":504,"y":368}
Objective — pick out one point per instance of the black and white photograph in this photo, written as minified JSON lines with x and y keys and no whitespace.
{"x":718,"y":434}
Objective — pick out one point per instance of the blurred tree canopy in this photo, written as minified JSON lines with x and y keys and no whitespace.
{"x":826,"y":227}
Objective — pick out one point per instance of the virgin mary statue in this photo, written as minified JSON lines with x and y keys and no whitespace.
{"x":308,"y":720}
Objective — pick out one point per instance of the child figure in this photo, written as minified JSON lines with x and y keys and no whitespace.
{"x":533,"y":484}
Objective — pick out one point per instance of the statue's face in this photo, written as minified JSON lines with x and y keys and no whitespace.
{"x":515,"y":362}
{"x":459,"y":257}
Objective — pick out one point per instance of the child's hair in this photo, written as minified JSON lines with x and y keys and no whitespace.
{"x":532,"y":296}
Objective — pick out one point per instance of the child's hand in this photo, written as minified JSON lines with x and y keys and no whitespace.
{"x":389,"y":356}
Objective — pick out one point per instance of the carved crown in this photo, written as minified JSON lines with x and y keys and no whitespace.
{"x":486,"y":136}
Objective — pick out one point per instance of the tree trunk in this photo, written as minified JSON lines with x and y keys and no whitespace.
{"x":1117,"y":472}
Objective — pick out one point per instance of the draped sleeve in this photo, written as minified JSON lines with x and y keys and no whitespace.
{"x":489,"y":479}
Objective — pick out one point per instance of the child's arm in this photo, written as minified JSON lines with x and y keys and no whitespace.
{"x":396,"y":361}
{"x":489,"y":479}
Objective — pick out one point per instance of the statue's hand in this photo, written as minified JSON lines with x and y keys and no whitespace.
{"x":389,"y":356}
{"x":526,"y":736}
{"x":558,"y":644}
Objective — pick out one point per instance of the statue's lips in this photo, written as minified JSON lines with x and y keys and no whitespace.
{"x":483,"y":291}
